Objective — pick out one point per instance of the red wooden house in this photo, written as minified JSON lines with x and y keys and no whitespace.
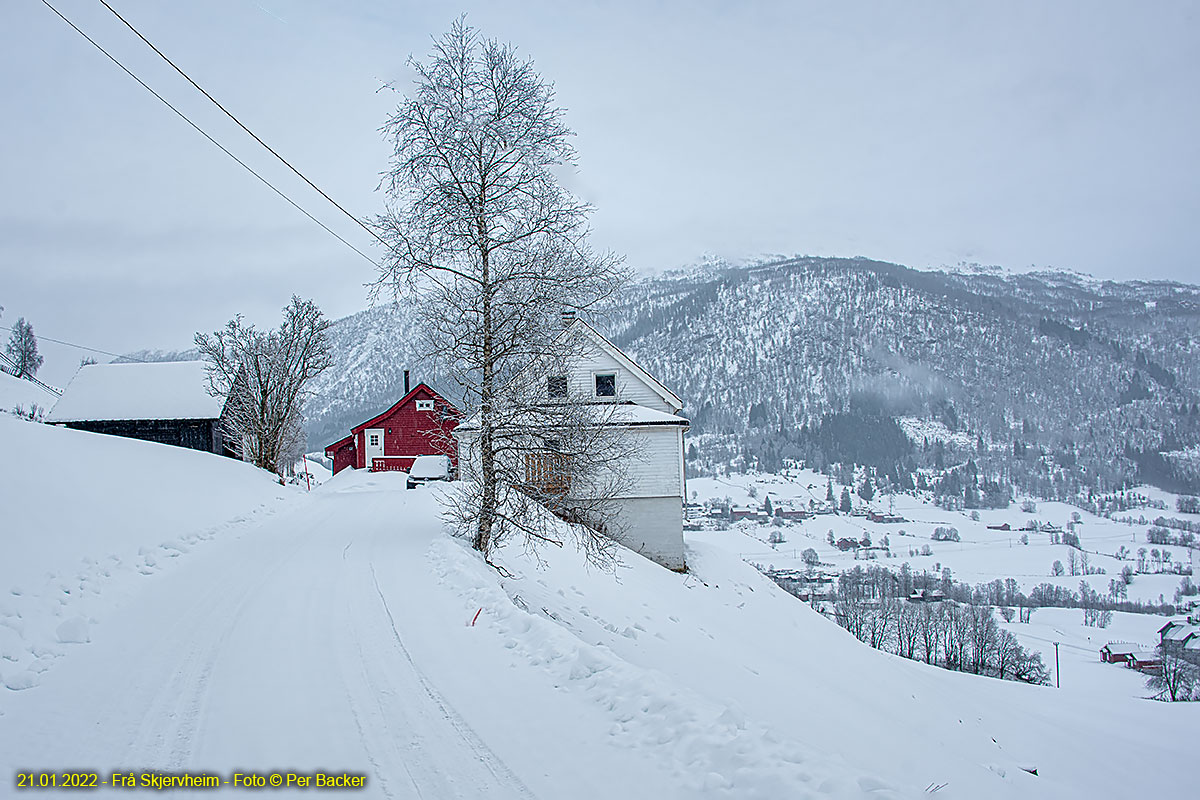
{"x":418,"y":425}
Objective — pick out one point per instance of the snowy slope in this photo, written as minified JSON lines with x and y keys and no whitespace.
{"x":17,"y":392}
{"x":348,"y":632}
{"x":83,"y":513}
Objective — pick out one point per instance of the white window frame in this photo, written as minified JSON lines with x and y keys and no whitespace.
{"x":616,"y":385}
{"x":424,"y":405}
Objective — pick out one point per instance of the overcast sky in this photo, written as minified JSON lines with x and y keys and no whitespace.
{"x":1048,"y":134}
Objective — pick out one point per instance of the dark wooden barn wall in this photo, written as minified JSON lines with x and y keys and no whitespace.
{"x":195,"y":434}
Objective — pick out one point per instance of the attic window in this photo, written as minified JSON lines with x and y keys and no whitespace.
{"x":606,"y":384}
{"x":424,"y":405}
{"x":556,"y":386}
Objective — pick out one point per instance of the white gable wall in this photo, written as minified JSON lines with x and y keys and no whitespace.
{"x":630,"y":388}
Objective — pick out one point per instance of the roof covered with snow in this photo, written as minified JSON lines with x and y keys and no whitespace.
{"x":1179,"y":633}
{"x":160,"y":390}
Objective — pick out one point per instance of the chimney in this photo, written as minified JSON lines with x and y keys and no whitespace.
{"x":406,"y":381}
{"x":568,"y":316}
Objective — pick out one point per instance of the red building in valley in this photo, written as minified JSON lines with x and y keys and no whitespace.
{"x":418,"y":425}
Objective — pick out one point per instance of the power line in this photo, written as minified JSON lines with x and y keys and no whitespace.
{"x":126,"y":357}
{"x":41,"y":338}
{"x":202,"y":132}
{"x":238,"y":122}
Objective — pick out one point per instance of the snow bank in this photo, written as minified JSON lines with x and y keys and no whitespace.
{"x":742,"y":691}
{"x":84,"y":514}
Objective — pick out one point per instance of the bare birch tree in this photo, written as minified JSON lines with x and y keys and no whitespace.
{"x":1176,"y":679}
{"x":265,"y":377}
{"x":479,"y":229}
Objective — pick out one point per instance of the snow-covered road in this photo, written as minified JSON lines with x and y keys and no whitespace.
{"x":282,"y":650}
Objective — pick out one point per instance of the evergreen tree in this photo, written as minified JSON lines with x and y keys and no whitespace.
{"x":865,"y":490}
{"x":846,"y":504}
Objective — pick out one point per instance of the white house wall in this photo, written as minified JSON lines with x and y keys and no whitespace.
{"x":655,"y":467}
{"x":630,"y":388}
{"x":653,"y":527}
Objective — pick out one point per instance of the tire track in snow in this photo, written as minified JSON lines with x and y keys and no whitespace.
{"x":170,"y":724}
{"x":484,"y":755}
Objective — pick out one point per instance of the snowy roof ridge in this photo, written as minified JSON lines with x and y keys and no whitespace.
{"x":156,"y":390}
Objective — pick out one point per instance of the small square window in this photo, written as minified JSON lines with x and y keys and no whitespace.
{"x":606,"y":384}
{"x":374,"y":440}
{"x":556,"y":386}
{"x":424,"y":405}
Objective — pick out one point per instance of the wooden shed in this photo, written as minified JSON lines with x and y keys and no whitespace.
{"x":165,"y":402}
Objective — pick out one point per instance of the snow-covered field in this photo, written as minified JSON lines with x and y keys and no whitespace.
{"x":343,"y":630}
{"x":981,"y":556}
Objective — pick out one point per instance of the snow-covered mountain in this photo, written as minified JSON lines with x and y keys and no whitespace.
{"x":1059,"y":382}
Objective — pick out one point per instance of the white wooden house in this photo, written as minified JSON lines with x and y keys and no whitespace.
{"x":650,"y":506}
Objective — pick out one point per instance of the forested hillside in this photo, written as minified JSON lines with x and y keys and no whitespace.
{"x":1053,"y":382}
{"x":1057,"y":381}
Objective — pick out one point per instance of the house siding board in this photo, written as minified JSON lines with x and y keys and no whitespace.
{"x":655,"y":469}
{"x":630,"y":388}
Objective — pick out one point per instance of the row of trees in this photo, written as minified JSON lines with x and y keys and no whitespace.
{"x":964,"y":638}
{"x":881,"y":583}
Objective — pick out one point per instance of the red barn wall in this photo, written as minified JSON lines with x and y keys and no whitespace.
{"x":343,"y":457}
{"x":408,"y":432}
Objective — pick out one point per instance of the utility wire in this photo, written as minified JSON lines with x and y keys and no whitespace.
{"x":238,"y":122}
{"x":40,"y":338}
{"x":202,"y":132}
